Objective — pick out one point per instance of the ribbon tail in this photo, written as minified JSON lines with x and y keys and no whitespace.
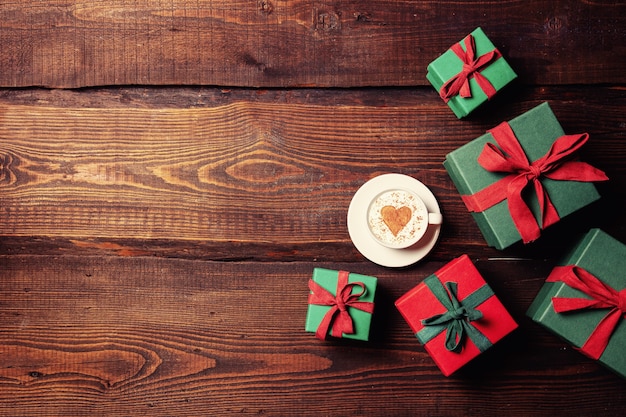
{"x":521,"y":214}
{"x":322,"y":330}
{"x":549,"y":215}
{"x":479,"y":339}
{"x":465,"y":90}
{"x":599,"y":338}
{"x":454,"y":336}
{"x":342,"y":325}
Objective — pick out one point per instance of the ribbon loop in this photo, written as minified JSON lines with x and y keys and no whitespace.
{"x":509,"y":158}
{"x":459,"y":83}
{"x":338,"y":319}
{"x":457,"y":320}
{"x":602,"y":297}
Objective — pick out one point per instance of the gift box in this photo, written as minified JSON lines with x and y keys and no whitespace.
{"x":341,"y":304}
{"x":584,"y":300}
{"x":455,"y":315}
{"x":469,"y":73}
{"x":522,"y":176}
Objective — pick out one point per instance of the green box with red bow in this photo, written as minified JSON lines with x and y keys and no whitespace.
{"x":455,"y":314}
{"x":468,"y":74}
{"x":341,"y":304}
{"x":522,"y":176}
{"x":584,"y":300}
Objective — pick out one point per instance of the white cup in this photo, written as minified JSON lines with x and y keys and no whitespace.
{"x":398,"y":218}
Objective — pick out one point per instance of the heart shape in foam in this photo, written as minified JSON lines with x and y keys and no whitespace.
{"x":396,"y":219}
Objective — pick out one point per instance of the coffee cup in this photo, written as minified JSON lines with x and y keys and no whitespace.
{"x":398,"y":218}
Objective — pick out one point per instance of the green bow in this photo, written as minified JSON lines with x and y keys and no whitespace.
{"x":457,"y":321}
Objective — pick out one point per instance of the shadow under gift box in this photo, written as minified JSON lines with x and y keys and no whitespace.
{"x":605,"y":258}
{"x":536,"y":130}
{"x":420,"y":303}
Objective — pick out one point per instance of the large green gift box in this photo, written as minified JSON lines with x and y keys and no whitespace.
{"x":341,"y":304}
{"x":591,"y":280}
{"x":539,"y":134}
{"x":484,"y":71}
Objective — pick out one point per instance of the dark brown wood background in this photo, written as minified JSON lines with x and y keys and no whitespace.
{"x":171,"y":172}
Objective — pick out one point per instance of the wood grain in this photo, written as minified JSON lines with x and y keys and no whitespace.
{"x":219,"y":174}
{"x":80,"y":335}
{"x":164,"y":202}
{"x":286,"y":43}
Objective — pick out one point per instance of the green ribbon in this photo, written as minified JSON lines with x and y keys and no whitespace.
{"x":457,"y":321}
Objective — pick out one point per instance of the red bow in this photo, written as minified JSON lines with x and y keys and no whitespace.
{"x":338,"y":316}
{"x":510,"y":158}
{"x":459,"y":84}
{"x":602,"y":296}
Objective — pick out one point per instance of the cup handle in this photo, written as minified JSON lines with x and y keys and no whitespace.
{"x":435,"y":218}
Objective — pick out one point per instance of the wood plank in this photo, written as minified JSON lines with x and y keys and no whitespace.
{"x":208,"y":175}
{"x":153,"y":336}
{"x":280,"y":43}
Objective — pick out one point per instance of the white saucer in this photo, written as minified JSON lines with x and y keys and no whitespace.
{"x":359,"y":229}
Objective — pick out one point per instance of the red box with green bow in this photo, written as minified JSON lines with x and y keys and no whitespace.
{"x":523,"y":176}
{"x":469,"y":73}
{"x":455,"y":315}
{"x":341,"y":304}
{"x":584,"y":300}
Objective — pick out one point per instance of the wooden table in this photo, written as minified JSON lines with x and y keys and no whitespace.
{"x":172,"y":171}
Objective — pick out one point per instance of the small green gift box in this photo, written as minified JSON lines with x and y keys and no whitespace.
{"x":521,"y":177}
{"x":341,"y":304}
{"x":469,"y":73}
{"x":584,"y":300}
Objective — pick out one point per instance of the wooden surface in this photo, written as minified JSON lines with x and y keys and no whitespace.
{"x":282,"y":43}
{"x":157,"y":232}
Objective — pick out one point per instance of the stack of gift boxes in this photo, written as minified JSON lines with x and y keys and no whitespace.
{"x":517,"y":179}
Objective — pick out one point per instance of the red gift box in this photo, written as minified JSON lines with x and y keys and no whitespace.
{"x":455,"y":314}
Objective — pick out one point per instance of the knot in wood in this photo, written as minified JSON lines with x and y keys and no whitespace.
{"x":6,"y":174}
{"x":265,"y":6}
{"x":328,"y":21}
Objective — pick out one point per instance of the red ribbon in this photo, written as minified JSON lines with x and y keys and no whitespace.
{"x":459,"y":84}
{"x":338,"y":316}
{"x":510,"y":158}
{"x":602,"y":296}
